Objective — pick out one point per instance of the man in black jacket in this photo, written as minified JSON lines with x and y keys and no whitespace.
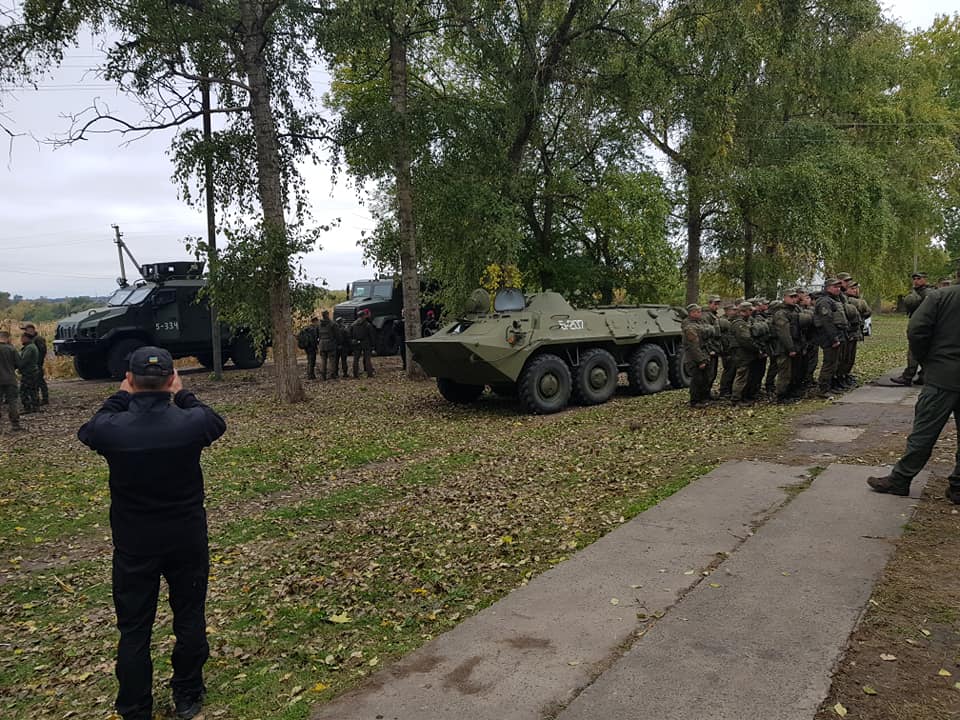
{"x":159,"y":524}
{"x":934,"y":336}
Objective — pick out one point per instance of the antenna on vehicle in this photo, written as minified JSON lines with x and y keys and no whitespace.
{"x":121,"y":249}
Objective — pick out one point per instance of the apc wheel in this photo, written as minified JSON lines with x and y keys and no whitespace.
{"x":679,"y":377}
{"x":649,"y":370}
{"x":91,"y":366}
{"x":459,"y":393}
{"x":118,"y":358}
{"x":388,"y":343}
{"x":245,"y":355}
{"x":544,"y":385}
{"x":595,"y":379}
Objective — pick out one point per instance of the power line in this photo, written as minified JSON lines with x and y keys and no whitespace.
{"x":7,"y":270}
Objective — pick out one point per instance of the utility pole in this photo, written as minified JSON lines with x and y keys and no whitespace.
{"x":122,"y":280}
{"x":211,"y":225}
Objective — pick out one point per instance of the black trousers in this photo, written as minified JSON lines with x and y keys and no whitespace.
{"x":136,"y":587}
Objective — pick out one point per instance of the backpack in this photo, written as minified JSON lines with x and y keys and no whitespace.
{"x":305,"y":339}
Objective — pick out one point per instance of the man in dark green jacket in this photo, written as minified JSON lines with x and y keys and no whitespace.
{"x":912,"y":303}
{"x":41,"y":343}
{"x":29,"y":375}
{"x":696,"y":358}
{"x":934,"y":336}
{"x":9,"y":394}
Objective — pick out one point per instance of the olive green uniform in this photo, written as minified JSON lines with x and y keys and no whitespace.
{"x":811,"y":351}
{"x":327,"y":346}
{"x":29,"y":377}
{"x":830,"y":320}
{"x":727,"y":344}
{"x":696,"y":360}
{"x":41,"y":344}
{"x":934,"y":336}
{"x":712,"y":344}
{"x":9,"y":364}
{"x":786,"y":327}
{"x":848,"y":354}
{"x":745,"y":355}
{"x":307,"y":340}
{"x":364,"y":337}
{"x":342,"y":337}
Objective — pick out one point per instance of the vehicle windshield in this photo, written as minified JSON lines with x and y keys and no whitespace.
{"x":130,"y":296}
{"x":377,"y":290}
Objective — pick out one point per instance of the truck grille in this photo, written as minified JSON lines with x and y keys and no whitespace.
{"x":66,"y":332}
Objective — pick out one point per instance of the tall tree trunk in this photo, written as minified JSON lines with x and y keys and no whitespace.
{"x":749,"y":272}
{"x":694,"y":235}
{"x":289,"y":389}
{"x":409,"y":277}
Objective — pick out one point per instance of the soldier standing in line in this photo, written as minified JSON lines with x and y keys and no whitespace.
{"x":944,"y":282}
{"x":912,"y":302}
{"x":786,"y":326}
{"x":29,"y":374}
{"x":714,"y":344}
{"x":844,"y":378}
{"x":857,"y":332}
{"x":9,"y":392}
{"x":811,"y":354}
{"x":759,"y":329}
{"x":745,"y":354}
{"x":326,"y":343}
{"x":307,"y":341}
{"x":934,"y":337}
{"x":831,"y":323}
{"x":41,"y":343}
{"x":696,"y":358}
{"x":727,"y":345}
{"x":364,"y":337}
{"x":342,"y":336}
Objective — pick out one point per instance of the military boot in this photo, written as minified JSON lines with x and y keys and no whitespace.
{"x":887,"y":484}
{"x":952,"y":494}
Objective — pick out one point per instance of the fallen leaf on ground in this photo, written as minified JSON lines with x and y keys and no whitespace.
{"x":925,"y":632}
{"x":944,"y":673}
{"x":339,"y":619}
{"x":614,"y":601}
{"x":869,"y":690}
{"x":840,"y":710}
{"x":887,"y":657}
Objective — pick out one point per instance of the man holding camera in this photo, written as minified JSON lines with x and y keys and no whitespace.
{"x":159,"y":524}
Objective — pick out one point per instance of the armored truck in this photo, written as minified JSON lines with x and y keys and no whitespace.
{"x":162,"y":309}
{"x":547,"y":353}
{"x":383,"y":297}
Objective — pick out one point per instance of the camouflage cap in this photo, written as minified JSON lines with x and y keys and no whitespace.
{"x":693,"y":306}
{"x":713,"y":299}
{"x":791,"y":292}
{"x":854,"y":284}
{"x":753,"y":301}
{"x":919,"y":275}
{"x":762,"y":301}
{"x":745,"y":305}
{"x":738,"y":301}
{"x":844,"y":276}
{"x":830,"y":282}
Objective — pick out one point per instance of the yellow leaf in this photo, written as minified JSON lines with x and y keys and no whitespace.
{"x":888,"y":657}
{"x":925,"y":632}
{"x":956,"y":686}
{"x":869,"y":690}
{"x":420,"y":591}
{"x":714,"y":585}
{"x":339,"y":619}
{"x":689,"y":572}
{"x":506,"y":540}
{"x":614,"y":601}
{"x":944,"y":673}
{"x":840,"y":710}
{"x":374,"y":662}
{"x":319,"y":687}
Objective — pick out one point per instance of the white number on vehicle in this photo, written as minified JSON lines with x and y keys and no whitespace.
{"x":571,"y":324}
{"x":167,"y":325}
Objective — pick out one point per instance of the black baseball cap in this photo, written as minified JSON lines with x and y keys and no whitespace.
{"x":151,"y":360}
{"x":919,"y":275}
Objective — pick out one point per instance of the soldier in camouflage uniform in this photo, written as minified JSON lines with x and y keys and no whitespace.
{"x":696,"y":357}
{"x":855,"y":331}
{"x":786,"y":327}
{"x":811,"y":353}
{"x":29,"y":375}
{"x":844,"y":380}
{"x":745,"y":353}
{"x":760,"y":329}
{"x":912,"y":303}
{"x":714,"y":343}
{"x":727,"y":344}
{"x":326,"y":343}
{"x":364,"y":337}
{"x":307,"y":341}
{"x":342,"y":337}
{"x":9,"y":394}
{"x":41,"y":343}
{"x":831,"y":323}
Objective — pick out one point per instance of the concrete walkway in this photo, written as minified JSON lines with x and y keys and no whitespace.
{"x":733,"y":598}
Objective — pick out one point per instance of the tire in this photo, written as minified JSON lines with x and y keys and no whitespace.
{"x":595,"y":378}
{"x":118,"y":357}
{"x":388,"y":344}
{"x":679,"y":377}
{"x":245,"y":356}
{"x":544,"y":386}
{"x":206,"y":359}
{"x":459,"y":393}
{"x":649,"y":370}
{"x":91,"y":366}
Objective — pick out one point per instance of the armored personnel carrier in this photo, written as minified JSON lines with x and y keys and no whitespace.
{"x":545,"y":352}
{"x":162,"y":309}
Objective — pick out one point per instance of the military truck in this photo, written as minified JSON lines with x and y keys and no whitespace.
{"x":543,"y":351}
{"x":161,"y":309}
{"x":383,"y":297}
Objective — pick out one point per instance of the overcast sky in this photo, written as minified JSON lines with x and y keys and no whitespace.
{"x":57,"y":206}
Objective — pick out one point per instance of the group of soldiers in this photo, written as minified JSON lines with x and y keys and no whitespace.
{"x":773,"y":349}
{"x":27,"y":395}
{"x":333,"y":341}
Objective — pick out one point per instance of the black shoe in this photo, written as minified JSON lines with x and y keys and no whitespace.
{"x":901,"y":381}
{"x":919,"y":380}
{"x":886,"y":485}
{"x":952,"y":494}
{"x":188,"y":707}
